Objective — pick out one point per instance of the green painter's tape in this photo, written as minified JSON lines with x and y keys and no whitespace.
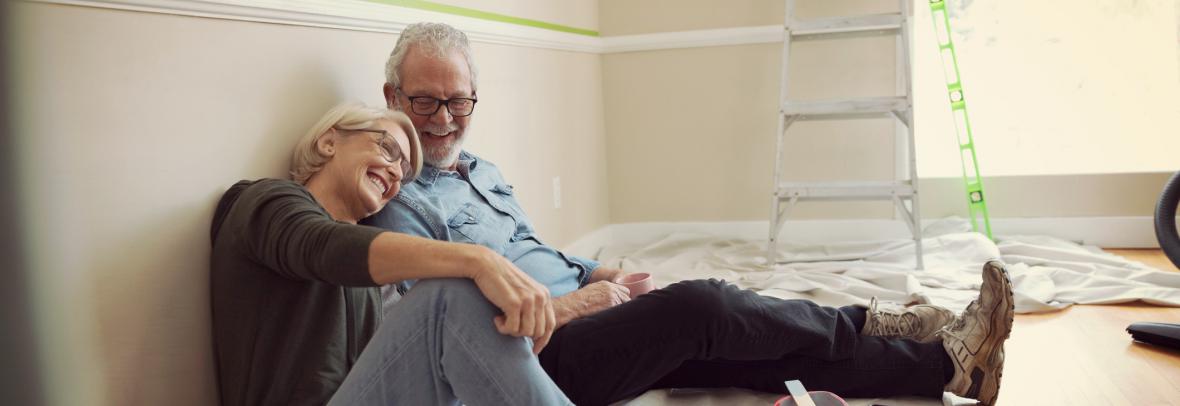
{"x":484,"y":15}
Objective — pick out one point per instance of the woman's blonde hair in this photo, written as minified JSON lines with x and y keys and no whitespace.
{"x":306,"y":160}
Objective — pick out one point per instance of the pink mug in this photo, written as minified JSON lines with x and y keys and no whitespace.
{"x":638,"y":283}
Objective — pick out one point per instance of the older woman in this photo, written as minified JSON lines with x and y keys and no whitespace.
{"x":297,"y":314}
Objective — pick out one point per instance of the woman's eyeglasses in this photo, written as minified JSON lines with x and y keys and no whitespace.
{"x":390,"y":150}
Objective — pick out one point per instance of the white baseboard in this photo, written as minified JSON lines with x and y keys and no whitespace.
{"x":1106,"y":232}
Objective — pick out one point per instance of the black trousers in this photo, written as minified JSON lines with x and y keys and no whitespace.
{"x":710,"y":334}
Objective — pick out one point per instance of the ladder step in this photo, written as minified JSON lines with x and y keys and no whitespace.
{"x":883,"y":190}
{"x":868,"y":105}
{"x":840,"y":25}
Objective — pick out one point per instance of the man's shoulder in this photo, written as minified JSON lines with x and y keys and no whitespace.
{"x":485,"y":169}
{"x":414,"y":194}
{"x":480,"y":162}
{"x":411,"y":201}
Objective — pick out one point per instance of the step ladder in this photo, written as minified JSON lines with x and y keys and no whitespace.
{"x":903,"y":192}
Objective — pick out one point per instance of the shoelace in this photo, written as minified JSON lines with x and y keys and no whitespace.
{"x":896,"y":324}
{"x":962,"y":320}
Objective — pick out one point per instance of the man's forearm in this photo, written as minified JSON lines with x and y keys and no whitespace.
{"x":586,"y":301}
{"x":569,"y":308}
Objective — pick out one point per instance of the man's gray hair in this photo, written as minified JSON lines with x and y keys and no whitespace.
{"x":437,"y":40}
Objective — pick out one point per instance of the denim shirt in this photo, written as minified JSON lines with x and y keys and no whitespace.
{"x":475,"y":205}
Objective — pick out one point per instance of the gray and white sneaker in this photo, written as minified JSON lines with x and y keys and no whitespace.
{"x":918,"y":322}
{"x":975,"y":342}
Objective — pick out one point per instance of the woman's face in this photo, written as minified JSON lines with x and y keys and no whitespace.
{"x":364,"y":175}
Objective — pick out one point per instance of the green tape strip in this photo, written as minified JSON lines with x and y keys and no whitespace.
{"x":976,"y":203}
{"x":484,"y":15}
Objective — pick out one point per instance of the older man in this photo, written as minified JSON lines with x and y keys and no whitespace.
{"x":689,"y":334}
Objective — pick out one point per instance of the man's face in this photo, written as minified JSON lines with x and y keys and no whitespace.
{"x":447,"y":78}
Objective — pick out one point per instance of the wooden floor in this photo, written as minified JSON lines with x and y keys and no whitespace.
{"x":1084,"y":356}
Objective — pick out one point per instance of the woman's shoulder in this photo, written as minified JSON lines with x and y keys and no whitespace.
{"x":266,"y":189}
{"x":254,"y":193}
{"x":267,"y":185}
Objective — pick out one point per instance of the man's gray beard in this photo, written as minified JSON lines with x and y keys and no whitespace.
{"x":442,"y":157}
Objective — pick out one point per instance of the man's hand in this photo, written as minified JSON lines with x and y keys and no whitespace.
{"x":528,"y":310}
{"x":603,"y":273}
{"x":593,"y":298}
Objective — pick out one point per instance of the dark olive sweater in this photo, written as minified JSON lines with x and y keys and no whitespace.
{"x":293,"y":302}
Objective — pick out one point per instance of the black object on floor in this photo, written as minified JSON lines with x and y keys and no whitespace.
{"x":1161,"y":334}
{"x":1165,"y":219}
{"x":1164,"y":334}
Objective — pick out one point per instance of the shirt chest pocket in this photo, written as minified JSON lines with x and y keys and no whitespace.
{"x":503,"y":195}
{"x":480,"y":225}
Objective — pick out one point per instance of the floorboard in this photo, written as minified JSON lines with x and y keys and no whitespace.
{"x":1084,"y":356}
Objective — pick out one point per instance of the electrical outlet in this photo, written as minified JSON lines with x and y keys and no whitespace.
{"x":556,"y":192}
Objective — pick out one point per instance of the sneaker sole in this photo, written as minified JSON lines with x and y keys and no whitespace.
{"x":1008,"y":312}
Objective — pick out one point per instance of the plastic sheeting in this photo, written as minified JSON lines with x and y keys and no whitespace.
{"x":1048,"y":274}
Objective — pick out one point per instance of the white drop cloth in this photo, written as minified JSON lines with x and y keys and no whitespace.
{"x":1048,"y":274}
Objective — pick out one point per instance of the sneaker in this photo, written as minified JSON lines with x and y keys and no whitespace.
{"x":975,"y":342}
{"x":919,"y":322}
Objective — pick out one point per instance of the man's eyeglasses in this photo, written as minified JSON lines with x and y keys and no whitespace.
{"x":390,"y":150}
{"x":426,"y":105}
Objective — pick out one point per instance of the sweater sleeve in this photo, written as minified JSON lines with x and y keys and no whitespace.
{"x":284,"y":229}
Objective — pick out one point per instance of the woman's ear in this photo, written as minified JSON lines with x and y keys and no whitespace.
{"x":326,"y":144}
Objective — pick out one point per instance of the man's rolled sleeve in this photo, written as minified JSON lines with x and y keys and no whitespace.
{"x":588,"y":267}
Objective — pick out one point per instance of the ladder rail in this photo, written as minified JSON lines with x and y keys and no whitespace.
{"x":784,"y":122}
{"x":786,"y":196}
{"x":915,"y":217}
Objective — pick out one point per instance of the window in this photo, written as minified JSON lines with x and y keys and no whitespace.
{"x":1053,"y":87}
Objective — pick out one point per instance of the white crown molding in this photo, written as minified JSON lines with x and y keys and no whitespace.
{"x":693,"y":39}
{"x":384,"y":18}
{"x":351,"y":15}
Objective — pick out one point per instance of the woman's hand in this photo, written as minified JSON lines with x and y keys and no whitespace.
{"x":528,"y":310}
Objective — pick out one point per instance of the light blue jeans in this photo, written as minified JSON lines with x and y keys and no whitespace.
{"x":438,"y":346}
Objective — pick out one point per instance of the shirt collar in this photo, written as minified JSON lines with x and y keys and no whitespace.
{"x":467,"y":162}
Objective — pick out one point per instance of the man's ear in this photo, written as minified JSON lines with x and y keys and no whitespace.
{"x":390,"y":96}
{"x":326,"y":144}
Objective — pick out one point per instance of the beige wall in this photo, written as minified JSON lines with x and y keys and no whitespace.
{"x":627,"y":17}
{"x":691,"y":131}
{"x":133,"y":124}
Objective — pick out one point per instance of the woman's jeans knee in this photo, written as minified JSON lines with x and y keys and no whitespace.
{"x":439,"y":345}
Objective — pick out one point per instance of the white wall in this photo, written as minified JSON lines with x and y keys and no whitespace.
{"x":133,"y":124}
